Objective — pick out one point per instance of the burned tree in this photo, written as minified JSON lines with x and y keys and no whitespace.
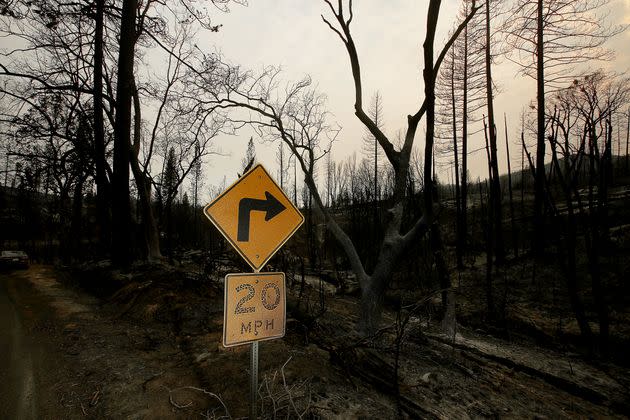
{"x":460,"y":94}
{"x":277,"y":117}
{"x":549,"y":38}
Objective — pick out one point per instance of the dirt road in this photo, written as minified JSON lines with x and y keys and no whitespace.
{"x":63,"y":356}
{"x":18,"y":395}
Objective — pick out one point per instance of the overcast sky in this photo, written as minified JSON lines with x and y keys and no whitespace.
{"x":388,"y":36}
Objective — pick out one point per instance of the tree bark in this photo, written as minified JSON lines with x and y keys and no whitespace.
{"x":75,"y":221}
{"x":568,"y":180}
{"x":593,"y":234}
{"x":509,"y":165}
{"x":458,"y":208}
{"x":627,"y":141}
{"x":574,"y":297}
{"x":539,"y":179}
{"x":430,"y":187}
{"x":143,"y":184}
{"x":495,"y":186}
{"x":464,"y":183}
{"x":600,"y":236}
{"x":121,"y":209}
{"x":489,"y":233}
{"x":102,"y":184}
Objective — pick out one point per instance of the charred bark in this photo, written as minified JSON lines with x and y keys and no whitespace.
{"x":511,"y":195}
{"x":539,"y":177}
{"x":495,"y":186}
{"x":102,"y":184}
{"x":489,"y":232}
{"x":121,"y":208}
{"x":150,"y":231}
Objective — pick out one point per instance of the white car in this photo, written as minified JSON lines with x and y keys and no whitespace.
{"x":12,"y":259}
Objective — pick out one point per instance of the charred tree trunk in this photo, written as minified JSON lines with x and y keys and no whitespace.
{"x":76,"y":220}
{"x":489,"y":232}
{"x":458,"y":207}
{"x":430,"y":186}
{"x":121,"y":208}
{"x":102,"y":184}
{"x":463,"y":221}
{"x":143,"y":184}
{"x":509,"y":165}
{"x":574,"y":297}
{"x":372,"y":304}
{"x":576,"y":302}
{"x":539,"y":179}
{"x":149,"y":222}
{"x":522,"y":206}
{"x":627,"y":141}
{"x":169,"y":229}
{"x":593,"y":234}
{"x":568,"y":178}
{"x":495,"y":186}
{"x":600,"y":237}
{"x":394,"y":241}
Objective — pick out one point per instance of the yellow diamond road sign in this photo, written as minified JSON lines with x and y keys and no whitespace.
{"x":255,"y":216}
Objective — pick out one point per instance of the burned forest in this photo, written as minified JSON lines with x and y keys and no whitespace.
{"x":314,"y":209}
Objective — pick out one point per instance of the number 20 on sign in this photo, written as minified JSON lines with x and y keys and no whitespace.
{"x":255,"y":308}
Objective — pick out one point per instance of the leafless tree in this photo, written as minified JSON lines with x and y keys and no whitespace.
{"x":84,"y":41}
{"x":52,"y":138}
{"x":584,"y":111}
{"x":495,"y":186}
{"x":274,"y":108}
{"x":550,"y":39}
{"x":282,"y":160}
{"x":371,"y":148}
{"x":460,"y":93}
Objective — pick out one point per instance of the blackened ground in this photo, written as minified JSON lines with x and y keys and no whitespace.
{"x":150,"y":348}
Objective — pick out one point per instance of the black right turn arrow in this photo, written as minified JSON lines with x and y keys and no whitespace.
{"x":270,"y":205}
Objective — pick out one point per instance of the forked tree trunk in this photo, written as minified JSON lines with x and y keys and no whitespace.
{"x":394,"y":242}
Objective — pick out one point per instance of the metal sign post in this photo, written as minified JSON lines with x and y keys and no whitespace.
{"x":253,"y":403}
{"x":253,"y":386}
